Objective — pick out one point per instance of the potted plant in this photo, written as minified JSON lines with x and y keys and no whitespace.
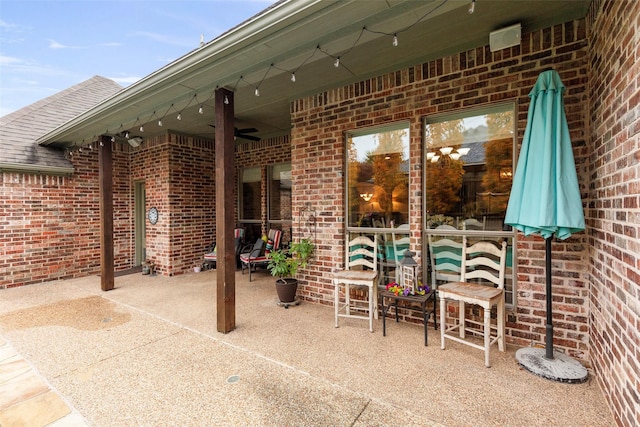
{"x":284,"y":265}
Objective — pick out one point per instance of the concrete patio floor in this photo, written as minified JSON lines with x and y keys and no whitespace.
{"x":148,"y":354}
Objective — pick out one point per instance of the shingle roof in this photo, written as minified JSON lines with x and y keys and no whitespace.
{"x":20,"y":129}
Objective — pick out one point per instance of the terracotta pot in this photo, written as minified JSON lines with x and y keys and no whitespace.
{"x":286,"y":289}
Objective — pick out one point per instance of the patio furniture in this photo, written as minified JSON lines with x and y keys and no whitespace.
{"x":446,"y":260}
{"x":361,"y":271}
{"x":258,"y":255}
{"x":474,"y":224}
{"x":211,"y":257}
{"x":393,"y":251}
{"x":485,"y":262}
{"x":413,"y":302}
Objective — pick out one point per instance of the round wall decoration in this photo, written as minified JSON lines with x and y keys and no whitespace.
{"x":153,"y":215}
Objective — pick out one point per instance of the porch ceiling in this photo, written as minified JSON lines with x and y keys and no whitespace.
{"x":302,"y":35}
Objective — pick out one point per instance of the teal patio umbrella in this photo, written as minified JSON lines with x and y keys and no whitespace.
{"x":545,"y":200}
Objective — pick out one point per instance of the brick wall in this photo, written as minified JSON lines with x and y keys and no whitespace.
{"x":613,"y":211}
{"x":469,"y":79}
{"x":49,"y":225}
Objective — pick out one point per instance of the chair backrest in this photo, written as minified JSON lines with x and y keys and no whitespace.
{"x":474,"y":224}
{"x":238,"y":233}
{"x":483,"y":260}
{"x":401,"y":243}
{"x":362,"y":251}
{"x":446,"y":260}
{"x":258,"y":249}
{"x":275,"y":236}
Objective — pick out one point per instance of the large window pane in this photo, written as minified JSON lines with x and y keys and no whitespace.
{"x":378,"y":177}
{"x":280,"y":192}
{"x":468,"y":170}
{"x":250,"y":196}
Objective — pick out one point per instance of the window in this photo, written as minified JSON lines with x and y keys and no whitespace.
{"x":250,"y":202}
{"x":468,"y":169}
{"x":468,"y":164}
{"x":378,"y":177}
{"x":280,"y":199}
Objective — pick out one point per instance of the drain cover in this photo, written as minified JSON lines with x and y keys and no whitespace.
{"x":233,"y":379}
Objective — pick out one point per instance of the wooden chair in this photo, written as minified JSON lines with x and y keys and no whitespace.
{"x":446,"y":260}
{"x":361,"y":271}
{"x":483,"y":261}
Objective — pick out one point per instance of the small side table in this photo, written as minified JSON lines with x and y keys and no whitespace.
{"x":412,"y":301}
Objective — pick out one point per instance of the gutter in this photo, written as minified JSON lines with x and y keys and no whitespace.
{"x":251,"y":28}
{"x":36,"y":169}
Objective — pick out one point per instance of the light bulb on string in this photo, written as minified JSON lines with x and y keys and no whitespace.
{"x":472,"y":7}
{"x":160,"y":122}
{"x":141,"y":128}
{"x":113,"y":138}
{"x":293,"y":77}
{"x":126,"y":134}
{"x":226,"y":100}
{"x":90,"y":146}
{"x":257,"y":92}
{"x":337,"y":63}
{"x":395,"y":40}
{"x":179,"y":117}
{"x":201,"y":110}
{"x":101,"y":143}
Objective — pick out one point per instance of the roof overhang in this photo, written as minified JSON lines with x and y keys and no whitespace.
{"x":304,"y":36}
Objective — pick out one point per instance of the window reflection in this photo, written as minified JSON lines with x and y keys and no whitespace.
{"x":468,"y":170}
{"x":378,"y":178}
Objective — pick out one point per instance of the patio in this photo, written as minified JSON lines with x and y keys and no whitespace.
{"x":147,"y":353}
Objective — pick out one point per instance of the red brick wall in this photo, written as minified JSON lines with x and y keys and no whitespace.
{"x":613,"y":212}
{"x":469,"y":79}
{"x":49,"y":225}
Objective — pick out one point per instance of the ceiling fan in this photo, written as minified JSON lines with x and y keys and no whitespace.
{"x":242,"y":133}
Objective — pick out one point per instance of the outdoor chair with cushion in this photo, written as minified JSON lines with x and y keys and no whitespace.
{"x":258,"y":255}
{"x":361,"y":271}
{"x":211,"y":255}
{"x":484,"y":263}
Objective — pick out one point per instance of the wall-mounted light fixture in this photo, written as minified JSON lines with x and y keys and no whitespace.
{"x":366,"y":196}
{"x":135,"y":141}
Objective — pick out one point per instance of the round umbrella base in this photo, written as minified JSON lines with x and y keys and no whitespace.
{"x":561,"y":368}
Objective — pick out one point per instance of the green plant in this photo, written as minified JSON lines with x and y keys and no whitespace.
{"x":286,"y":262}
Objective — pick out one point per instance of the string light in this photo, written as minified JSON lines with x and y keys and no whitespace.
{"x":113,"y":138}
{"x":336,"y":64}
{"x":472,"y":7}
{"x":126,"y":134}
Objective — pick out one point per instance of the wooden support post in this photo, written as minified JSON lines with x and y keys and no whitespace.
{"x":105,"y":162}
{"x":225,"y":184}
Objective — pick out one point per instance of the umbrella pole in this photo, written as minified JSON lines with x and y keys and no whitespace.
{"x":549,"y":329}
{"x":556,"y":367}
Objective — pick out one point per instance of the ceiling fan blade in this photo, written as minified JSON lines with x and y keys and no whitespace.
{"x":247,"y":130}
{"x":249,"y":137}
